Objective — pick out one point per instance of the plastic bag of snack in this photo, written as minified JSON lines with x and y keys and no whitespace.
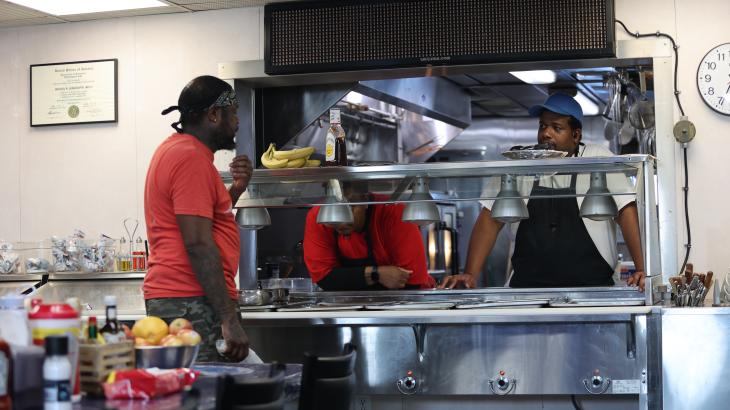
{"x":9,"y":259}
{"x":147,"y":383}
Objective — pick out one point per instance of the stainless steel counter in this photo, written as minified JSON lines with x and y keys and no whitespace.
{"x":695,"y":358}
{"x":483,"y":353}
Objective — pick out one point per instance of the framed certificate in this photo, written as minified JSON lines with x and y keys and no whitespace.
{"x":81,"y":92}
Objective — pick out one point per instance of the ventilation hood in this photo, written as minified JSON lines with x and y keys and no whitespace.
{"x":423,"y":114}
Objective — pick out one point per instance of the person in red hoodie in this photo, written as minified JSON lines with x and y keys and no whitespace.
{"x":377,"y":251}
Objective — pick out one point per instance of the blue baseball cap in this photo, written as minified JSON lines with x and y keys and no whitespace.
{"x":559,"y":103}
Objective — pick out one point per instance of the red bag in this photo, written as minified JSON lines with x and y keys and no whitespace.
{"x":147,"y":383}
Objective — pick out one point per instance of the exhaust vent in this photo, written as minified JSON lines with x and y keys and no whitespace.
{"x":344,"y":35}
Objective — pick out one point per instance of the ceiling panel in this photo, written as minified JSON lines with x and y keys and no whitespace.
{"x":13,"y":15}
{"x":124,"y":13}
{"x":10,"y":11}
{"x":220,"y":4}
{"x":29,"y":22}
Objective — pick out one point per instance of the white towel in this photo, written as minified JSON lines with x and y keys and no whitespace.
{"x":252,"y":358}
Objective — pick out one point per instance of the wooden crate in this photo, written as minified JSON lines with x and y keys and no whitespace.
{"x":97,"y":361}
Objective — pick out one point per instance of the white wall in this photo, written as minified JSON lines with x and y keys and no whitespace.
{"x":697,"y":27}
{"x":55,"y":179}
{"x":92,"y":176}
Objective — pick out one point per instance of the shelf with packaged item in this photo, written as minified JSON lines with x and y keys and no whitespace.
{"x":464,"y":181}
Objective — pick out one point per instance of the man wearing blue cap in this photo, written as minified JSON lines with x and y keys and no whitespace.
{"x":555,"y":247}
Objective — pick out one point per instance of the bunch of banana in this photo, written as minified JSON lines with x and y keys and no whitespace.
{"x":295,"y":158}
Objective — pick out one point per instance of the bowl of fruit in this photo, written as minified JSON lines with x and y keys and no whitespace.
{"x":166,"y":347}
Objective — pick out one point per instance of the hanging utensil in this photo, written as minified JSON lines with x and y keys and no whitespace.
{"x":130,"y":221}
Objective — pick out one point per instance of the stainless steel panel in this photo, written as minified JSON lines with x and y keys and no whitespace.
{"x":91,"y":293}
{"x":696,"y":358}
{"x":551,"y":402}
{"x":252,"y":71}
{"x":287,"y":111}
{"x":430,"y":96}
{"x":552,"y":358}
{"x":626,"y":163}
{"x":245,"y":144}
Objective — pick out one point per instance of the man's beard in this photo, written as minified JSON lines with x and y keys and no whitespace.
{"x":224,"y":141}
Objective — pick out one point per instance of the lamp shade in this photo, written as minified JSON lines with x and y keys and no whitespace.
{"x":421,"y":213}
{"x":598,"y":204}
{"x":339,"y":212}
{"x":335,"y":214}
{"x":253,"y":218}
{"x":509,"y":207}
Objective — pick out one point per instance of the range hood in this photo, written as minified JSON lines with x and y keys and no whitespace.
{"x":423,"y":113}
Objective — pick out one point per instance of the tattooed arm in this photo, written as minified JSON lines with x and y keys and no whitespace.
{"x":197,"y":234}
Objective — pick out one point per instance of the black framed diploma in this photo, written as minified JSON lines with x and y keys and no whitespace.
{"x":80,"y":92}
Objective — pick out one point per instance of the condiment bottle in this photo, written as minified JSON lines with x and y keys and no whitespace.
{"x":56,"y":374}
{"x":124,"y":263}
{"x":335,"y":147}
{"x":6,"y":376}
{"x":92,"y":330}
{"x":138,"y":255}
{"x":111,"y":331}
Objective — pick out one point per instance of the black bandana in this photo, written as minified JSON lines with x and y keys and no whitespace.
{"x":226,"y":99}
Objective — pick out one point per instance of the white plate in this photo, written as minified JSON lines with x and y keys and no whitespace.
{"x":411,"y":306}
{"x":534,"y":154}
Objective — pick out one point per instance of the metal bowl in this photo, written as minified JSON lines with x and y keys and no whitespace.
{"x":254,"y":297}
{"x":165,"y":357}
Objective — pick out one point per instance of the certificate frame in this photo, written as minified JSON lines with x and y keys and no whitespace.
{"x":75,"y":92}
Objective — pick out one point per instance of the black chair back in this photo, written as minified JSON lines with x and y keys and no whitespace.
{"x":242,"y":392}
{"x":328,"y":382}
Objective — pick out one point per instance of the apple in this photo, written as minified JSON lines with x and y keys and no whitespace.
{"x":138,"y":341}
{"x":179,"y":324}
{"x":189,"y":337}
{"x":171,"y":340}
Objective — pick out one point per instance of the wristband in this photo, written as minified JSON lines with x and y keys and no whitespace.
{"x":374,"y":275}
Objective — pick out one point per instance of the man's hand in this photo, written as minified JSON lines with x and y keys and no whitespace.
{"x":454,"y":281}
{"x":236,"y":339}
{"x":638,"y":278}
{"x":393,"y":277}
{"x":241,"y":171}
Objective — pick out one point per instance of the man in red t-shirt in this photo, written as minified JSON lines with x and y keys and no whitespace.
{"x":377,"y":251}
{"x":194,"y":239}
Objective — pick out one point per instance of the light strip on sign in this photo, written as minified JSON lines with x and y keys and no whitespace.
{"x":588,"y":106}
{"x":535,"y":76}
{"x":68,"y":7}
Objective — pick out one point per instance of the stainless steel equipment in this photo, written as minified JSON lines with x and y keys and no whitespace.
{"x":487,"y":352}
{"x":587,"y":340}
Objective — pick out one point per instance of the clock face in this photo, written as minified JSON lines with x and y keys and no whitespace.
{"x":713,"y":79}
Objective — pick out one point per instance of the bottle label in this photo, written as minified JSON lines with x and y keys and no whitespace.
{"x":110,"y":338}
{"x":329,"y":149}
{"x":4,"y":373}
{"x":335,"y":116}
{"x":57,"y":391}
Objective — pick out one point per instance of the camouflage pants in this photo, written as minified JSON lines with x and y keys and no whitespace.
{"x":200,"y":313}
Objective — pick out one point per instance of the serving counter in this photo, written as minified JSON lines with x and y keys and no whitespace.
{"x":408,"y":357}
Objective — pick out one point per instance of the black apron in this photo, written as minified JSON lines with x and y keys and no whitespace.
{"x":553,"y":247}
{"x":368,"y":260}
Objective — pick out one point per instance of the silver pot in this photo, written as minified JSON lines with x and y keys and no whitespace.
{"x":254,"y":297}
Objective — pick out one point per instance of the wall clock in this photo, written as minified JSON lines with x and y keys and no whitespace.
{"x":713,"y":79}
